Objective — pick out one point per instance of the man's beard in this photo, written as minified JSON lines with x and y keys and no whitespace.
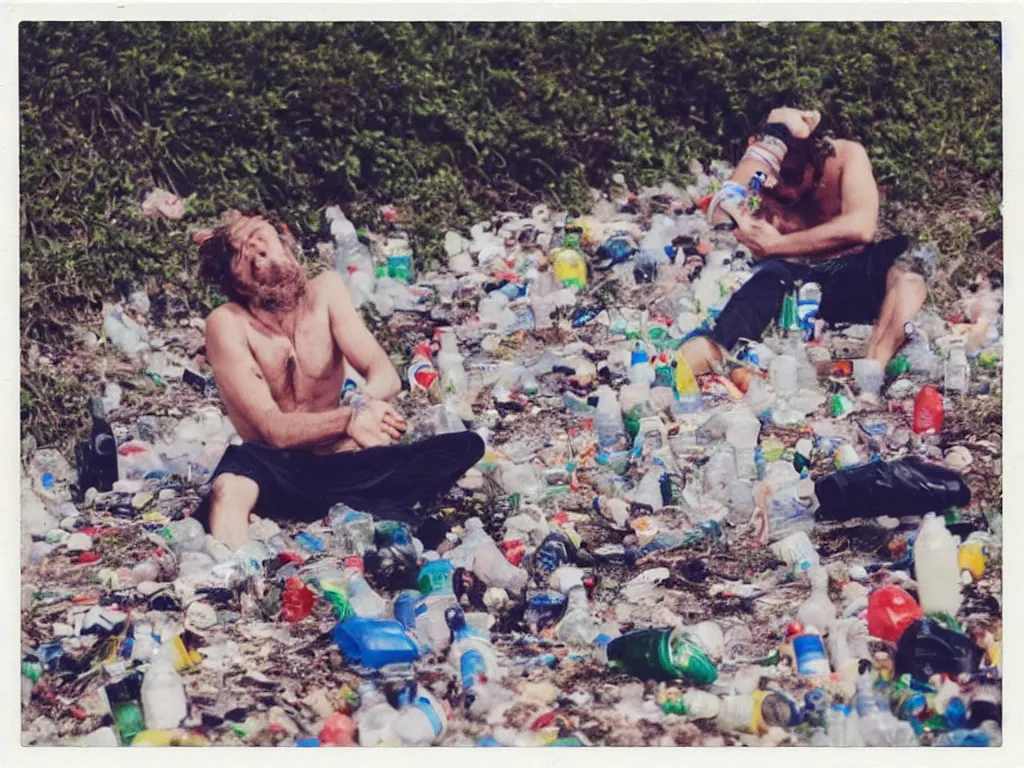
{"x":284,"y":288}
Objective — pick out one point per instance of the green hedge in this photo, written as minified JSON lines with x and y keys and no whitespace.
{"x":453,"y":120}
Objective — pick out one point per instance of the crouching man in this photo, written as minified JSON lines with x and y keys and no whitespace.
{"x":816,"y":223}
{"x":279,"y":349}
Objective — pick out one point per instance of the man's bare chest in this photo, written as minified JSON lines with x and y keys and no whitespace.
{"x":300,"y":368}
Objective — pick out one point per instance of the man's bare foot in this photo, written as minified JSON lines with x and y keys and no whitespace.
{"x":703,"y":356}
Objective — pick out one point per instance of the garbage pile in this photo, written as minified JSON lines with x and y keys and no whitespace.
{"x":640,"y":558}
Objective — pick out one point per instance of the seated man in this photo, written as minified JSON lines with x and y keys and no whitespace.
{"x":816,"y":223}
{"x":279,"y":350}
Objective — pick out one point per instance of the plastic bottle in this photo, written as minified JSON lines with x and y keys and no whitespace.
{"x":958,"y":371}
{"x":783,"y":375}
{"x":375,"y":717}
{"x":842,"y":727}
{"x":796,"y":551}
{"x":611,"y":432}
{"x":351,"y":257}
{"x":363,"y":600}
{"x":163,"y":692}
{"x":923,"y":362}
{"x":187,"y":535}
{"x":125,"y":334}
{"x":640,"y":369}
{"x":741,"y":432}
{"x":577,"y":626}
{"x":570,"y":267}
{"x":451,"y":364}
{"x":661,"y":654}
{"x":809,"y":651}
{"x":877,"y":725}
{"x":422,"y":373}
{"x":757,"y":712}
{"x":936,"y":567}
{"x":817,"y":610}
{"x":422,"y":721}
{"x":354,"y":529}
{"x":928,"y":411}
{"x":471,"y":653}
{"x":126,"y":708}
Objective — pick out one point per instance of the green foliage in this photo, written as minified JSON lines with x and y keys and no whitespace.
{"x":452,"y":120}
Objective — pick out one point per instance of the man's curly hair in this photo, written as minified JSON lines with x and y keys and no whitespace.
{"x":217,"y":252}
{"x":815,"y":150}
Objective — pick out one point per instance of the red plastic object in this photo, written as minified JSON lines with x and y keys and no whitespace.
{"x":890,"y":611}
{"x":87,"y":557}
{"x":339,"y":731}
{"x":793,"y":629}
{"x":289,"y":557}
{"x":298,"y":600}
{"x":514,"y":550}
{"x":928,"y":412}
{"x":355,"y":561}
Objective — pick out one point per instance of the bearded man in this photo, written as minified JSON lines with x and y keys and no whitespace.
{"x":280,"y":349}
{"x":817,"y":222}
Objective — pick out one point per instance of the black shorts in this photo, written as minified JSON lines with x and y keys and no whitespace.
{"x":853,"y":289}
{"x":387,"y":481}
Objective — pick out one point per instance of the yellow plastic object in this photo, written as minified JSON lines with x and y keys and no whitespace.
{"x":686,"y":382}
{"x":971,"y":557}
{"x":175,"y":738}
{"x":757,"y":723}
{"x":570,"y":267}
{"x":182,"y":657}
{"x":772,"y":448}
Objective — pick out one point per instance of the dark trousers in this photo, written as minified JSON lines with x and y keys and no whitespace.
{"x":853,"y":288}
{"x":386,"y":482}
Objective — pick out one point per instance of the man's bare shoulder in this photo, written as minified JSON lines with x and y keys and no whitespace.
{"x":848,"y":150}
{"x":226,"y":318}
{"x":325,"y":282}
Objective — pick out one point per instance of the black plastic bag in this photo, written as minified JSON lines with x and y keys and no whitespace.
{"x":927,"y":648}
{"x":906,"y":487}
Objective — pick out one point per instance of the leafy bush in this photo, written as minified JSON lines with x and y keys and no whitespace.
{"x":452,"y":120}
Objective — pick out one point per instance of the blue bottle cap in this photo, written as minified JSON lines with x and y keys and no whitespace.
{"x":639,"y":356}
{"x":47,"y":480}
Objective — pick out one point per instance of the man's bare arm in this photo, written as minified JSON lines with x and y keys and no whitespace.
{"x":357,"y":343}
{"x":855,"y":225}
{"x":246,"y":392}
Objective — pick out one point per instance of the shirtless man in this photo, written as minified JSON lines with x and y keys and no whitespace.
{"x":817,"y":223}
{"x":279,"y":350}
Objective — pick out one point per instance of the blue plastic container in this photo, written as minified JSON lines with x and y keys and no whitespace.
{"x":375,"y":643}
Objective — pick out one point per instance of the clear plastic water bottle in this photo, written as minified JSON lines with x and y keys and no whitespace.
{"x":957,"y":368}
{"x":351,"y":257}
{"x":354,"y":529}
{"x":878,"y":726}
{"x":611,"y":432}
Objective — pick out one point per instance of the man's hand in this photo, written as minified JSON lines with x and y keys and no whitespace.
{"x":759,"y":236}
{"x":375,"y":423}
{"x":801,"y":122}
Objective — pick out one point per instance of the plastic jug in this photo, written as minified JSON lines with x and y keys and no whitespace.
{"x":937,"y":567}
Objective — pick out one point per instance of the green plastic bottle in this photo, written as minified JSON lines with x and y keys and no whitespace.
{"x":125,"y":706}
{"x":661,"y":654}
